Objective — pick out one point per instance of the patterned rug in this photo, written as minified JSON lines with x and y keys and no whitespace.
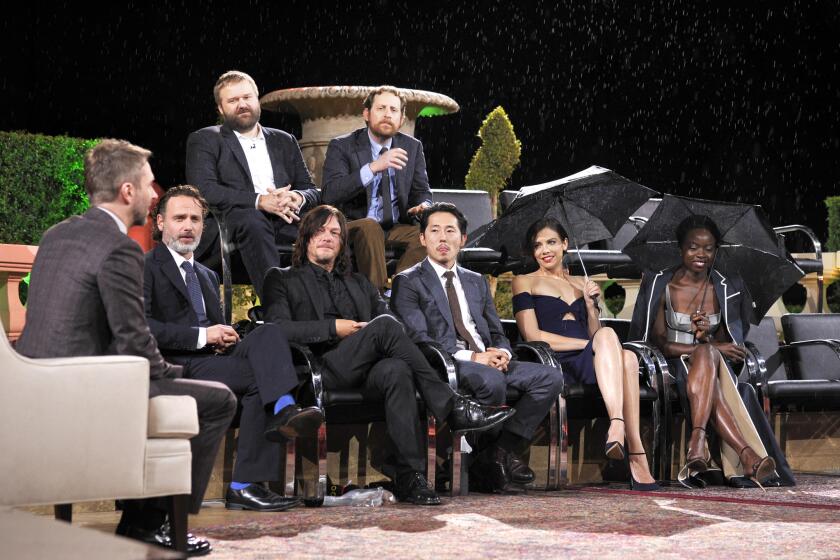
{"x":581,"y":522}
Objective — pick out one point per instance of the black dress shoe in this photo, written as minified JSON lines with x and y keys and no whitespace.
{"x":258,"y":498}
{"x":490,"y":474}
{"x":520,"y":472}
{"x":293,"y":421}
{"x":414,"y":488}
{"x":160,"y":537}
{"x":468,"y":415}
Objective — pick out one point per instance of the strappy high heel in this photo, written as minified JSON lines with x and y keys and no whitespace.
{"x":761,"y":469}
{"x":635,"y":484}
{"x":614,"y":450}
{"x":698,"y":463}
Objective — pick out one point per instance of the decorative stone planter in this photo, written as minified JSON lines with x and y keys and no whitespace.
{"x":15,"y":263}
{"x":330,"y":111}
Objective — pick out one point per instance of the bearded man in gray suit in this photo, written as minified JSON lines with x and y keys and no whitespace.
{"x":98,"y":310}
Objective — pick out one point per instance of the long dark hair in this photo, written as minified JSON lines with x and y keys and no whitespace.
{"x":309,"y":226}
{"x":538,"y":226}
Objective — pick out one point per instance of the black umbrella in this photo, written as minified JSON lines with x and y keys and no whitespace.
{"x":749,"y":246}
{"x":591,"y":205}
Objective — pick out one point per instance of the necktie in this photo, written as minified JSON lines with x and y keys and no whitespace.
{"x":385,"y":192}
{"x":194,"y":290}
{"x":455,"y":308}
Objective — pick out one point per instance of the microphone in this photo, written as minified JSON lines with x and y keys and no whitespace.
{"x":253,"y":145}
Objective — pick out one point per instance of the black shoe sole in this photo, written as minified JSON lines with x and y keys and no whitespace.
{"x":305,"y":423}
{"x":487,"y":427}
{"x":422,"y":503}
{"x":241,"y":507}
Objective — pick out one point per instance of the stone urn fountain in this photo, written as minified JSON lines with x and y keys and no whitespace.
{"x":330,"y":111}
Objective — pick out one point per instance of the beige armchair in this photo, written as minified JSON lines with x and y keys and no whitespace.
{"x":83,"y":429}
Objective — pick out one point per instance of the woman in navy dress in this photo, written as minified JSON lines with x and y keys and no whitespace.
{"x":554,"y":307}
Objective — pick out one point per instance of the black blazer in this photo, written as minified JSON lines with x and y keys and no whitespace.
{"x":733,"y":298}
{"x":293,"y":300}
{"x":168,"y":309}
{"x":216,"y":164}
{"x":420,"y":301}
{"x":343,"y":187}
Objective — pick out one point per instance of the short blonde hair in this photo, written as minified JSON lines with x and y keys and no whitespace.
{"x":109,"y":164}
{"x":232,"y":77}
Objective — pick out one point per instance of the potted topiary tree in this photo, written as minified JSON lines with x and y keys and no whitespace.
{"x":497,"y":157}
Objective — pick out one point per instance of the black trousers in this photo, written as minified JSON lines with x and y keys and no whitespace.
{"x":259,"y":370}
{"x":216,"y":408}
{"x":256,"y":235}
{"x":383,"y":359}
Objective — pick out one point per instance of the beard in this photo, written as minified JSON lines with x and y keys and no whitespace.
{"x":243,"y":122}
{"x":139,"y":215}
{"x":182,"y":248}
{"x":382,"y":131}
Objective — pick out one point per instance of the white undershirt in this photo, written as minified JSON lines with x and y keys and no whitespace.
{"x":469,"y":323}
{"x":259,"y":162}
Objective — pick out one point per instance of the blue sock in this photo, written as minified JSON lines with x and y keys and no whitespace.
{"x":240,"y":485}
{"x":283,"y":402}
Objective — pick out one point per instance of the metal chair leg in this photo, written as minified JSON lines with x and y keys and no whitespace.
{"x":563,"y":445}
{"x":553,"y":472}
{"x":289,"y":478}
{"x":431,"y":449}
{"x":313,"y":491}
{"x":457,"y":476}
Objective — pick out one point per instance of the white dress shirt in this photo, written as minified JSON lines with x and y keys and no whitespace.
{"x":469,"y":323}
{"x":179,"y":259}
{"x":259,"y":162}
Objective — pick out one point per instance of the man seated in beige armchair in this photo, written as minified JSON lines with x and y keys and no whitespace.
{"x":86,"y":299}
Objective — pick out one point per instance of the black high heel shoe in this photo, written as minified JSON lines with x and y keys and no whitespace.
{"x":761,"y":469}
{"x":698,"y":463}
{"x":614,"y":450}
{"x":635,"y":484}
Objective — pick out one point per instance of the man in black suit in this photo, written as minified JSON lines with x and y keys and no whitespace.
{"x":86,"y":299}
{"x":185,"y":317}
{"x":442,"y":302}
{"x":255,"y":176}
{"x":377,"y":177}
{"x":342,"y":317}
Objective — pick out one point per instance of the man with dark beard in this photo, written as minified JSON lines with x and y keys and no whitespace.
{"x":182,"y":307}
{"x":254,"y":176}
{"x":376,"y":176}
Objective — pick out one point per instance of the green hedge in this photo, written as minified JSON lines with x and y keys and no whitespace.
{"x":833,"y":206}
{"x":41,"y":183}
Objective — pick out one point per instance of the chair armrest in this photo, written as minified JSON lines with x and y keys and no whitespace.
{"x":666,"y":379}
{"x":756,"y":366}
{"x":442,"y":361}
{"x":831,"y":343}
{"x":645,"y":353}
{"x":536,"y":351}
{"x":303,"y":356}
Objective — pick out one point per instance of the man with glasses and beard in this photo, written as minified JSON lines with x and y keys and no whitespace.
{"x":253,"y":175}
{"x":376,"y":176}
{"x":184,"y":314}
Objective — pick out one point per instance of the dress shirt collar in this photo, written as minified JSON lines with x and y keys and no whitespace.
{"x":179,"y":258}
{"x":321,"y":271}
{"x":260,"y":137}
{"x":116,"y":218}
{"x":440,"y":270}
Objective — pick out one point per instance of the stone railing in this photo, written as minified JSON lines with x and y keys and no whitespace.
{"x":15,"y":263}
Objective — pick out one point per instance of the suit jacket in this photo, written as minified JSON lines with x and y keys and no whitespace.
{"x":733,"y":298}
{"x":86,"y":297}
{"x":216,"y":164}
{"x":343,"y":187}
{"x":294,"y":301}
{"x":419,"y":299}
{"x":168,"y":308}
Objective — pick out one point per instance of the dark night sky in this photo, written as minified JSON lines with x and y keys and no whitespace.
{"x":700,"y":99}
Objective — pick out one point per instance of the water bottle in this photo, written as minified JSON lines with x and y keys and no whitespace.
{"x":371,"y":497}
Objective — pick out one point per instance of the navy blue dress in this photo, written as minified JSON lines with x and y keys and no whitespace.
{"x":578,"y":366}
